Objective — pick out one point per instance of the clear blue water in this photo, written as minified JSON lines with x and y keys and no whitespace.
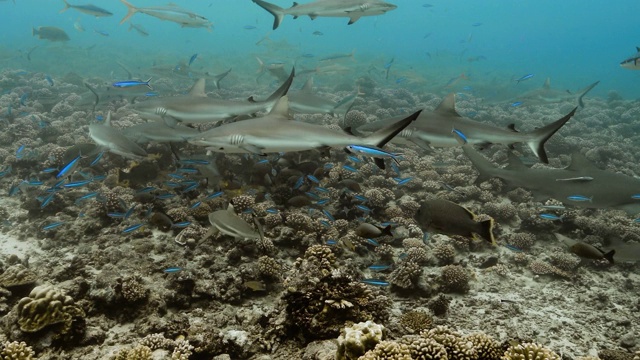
{"x":572,"y":42}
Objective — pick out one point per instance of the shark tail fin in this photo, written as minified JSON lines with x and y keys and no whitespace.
{"x":219,"y":77}
{"x":486,"y":231}
{"x":540,"y":136}
{"x":131,"y":11}
{"x":381,"y":137}
{"x":484,"y":166}
{"x":67,"y":6}
{"x":609,"y":256}
{"x":282,"y":90}
{"x":584,"y":92}
{"x":276,"y":11}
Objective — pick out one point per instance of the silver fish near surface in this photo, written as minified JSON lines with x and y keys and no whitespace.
{"x":173,"y":13}
{"x":352,"y":9}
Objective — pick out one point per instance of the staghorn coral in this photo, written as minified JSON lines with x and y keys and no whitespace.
{"x":243,"y":202}
{"x":357,"y":339}
{"x":17,"y":275}
{"x":416,"y":320}
{"x":157,"y":341}
{"x":529,"y":351}
{"x":16,"y":351}
{"x":47,"y":306}
{"x":454,"y":278}
{"x":388,"y":350}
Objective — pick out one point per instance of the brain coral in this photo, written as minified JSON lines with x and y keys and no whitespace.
{"x":47,"y":306}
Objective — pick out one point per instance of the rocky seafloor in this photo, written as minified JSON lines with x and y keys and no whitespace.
{"x":86,"y":290}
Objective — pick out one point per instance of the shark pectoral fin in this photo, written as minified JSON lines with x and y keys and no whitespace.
{"x":424,"y":145}
{"x":253,"y":149}
{"x":353,"y":19}
{"x":170,"y":121}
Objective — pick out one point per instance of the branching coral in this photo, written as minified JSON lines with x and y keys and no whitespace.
{"x":357,"y":339}
{"x":16,"y":351}
{"x":321,"y":309}
{"x":454,"y":278}
{"x":529,"y":351}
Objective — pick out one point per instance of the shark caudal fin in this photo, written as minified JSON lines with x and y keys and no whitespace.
{"x":67,"y":6}
{"x":132,"y":10}
{"x":381,"y":137}
{"x":486,"y":169}
{"x":584,"y":92}
{"x":217,"y":78}
{"x":540,"y":136}
{"x":276,"y":11}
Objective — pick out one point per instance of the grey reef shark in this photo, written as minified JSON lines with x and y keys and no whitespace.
{"x":279,"y":132}
{"x":434,"y":129}
{"x":352,"y":9}
{"x":633,"y":62}
{"x":197,"y":108}
{"x":581,"y":184}
{"x":548,"y":95}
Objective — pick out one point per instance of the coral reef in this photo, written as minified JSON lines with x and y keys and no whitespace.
{"x":357,"y":339}
{"x":48,"y":306}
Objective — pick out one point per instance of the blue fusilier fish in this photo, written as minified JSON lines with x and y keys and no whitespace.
{"x":174,"y":269}
{"x":52,"y":225}
{"x":379,"y":267}
{"x":132,"y":83}
{"x":551,"y":217}
{"x":49,"y":80}
{"x":460,"y":137}
{"x":132,"y":228}
{"x":375,"y":282}
{"x":580,"y":198}
{"x":67,"y":169}
{"x":523,"y":78}
{"x":516,"y":103}
{"x":402,"y":181}
{"x":192,"y":59}
{"x":375,"y":152}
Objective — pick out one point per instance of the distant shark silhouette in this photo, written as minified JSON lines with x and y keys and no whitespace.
{"x":548,"y":95}
{"x":434,"y":129}
{"x":598,"y":188}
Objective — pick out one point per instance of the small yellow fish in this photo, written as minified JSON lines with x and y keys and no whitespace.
{"x":255,"y":285}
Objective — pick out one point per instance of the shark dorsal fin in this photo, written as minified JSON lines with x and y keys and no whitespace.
{"x":231,"y":209}
{"x":638,"y":48}
{"x":448,"y":106}
{"x":547,"y":84}
{"x":281,"y":108}
{"x":107,"y":121}
{"x":514,"y":163}
{"x":512,"y":127}
{"x":580,"y":163}
{"x":308,"y":86}
{"x":197,"y":89}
